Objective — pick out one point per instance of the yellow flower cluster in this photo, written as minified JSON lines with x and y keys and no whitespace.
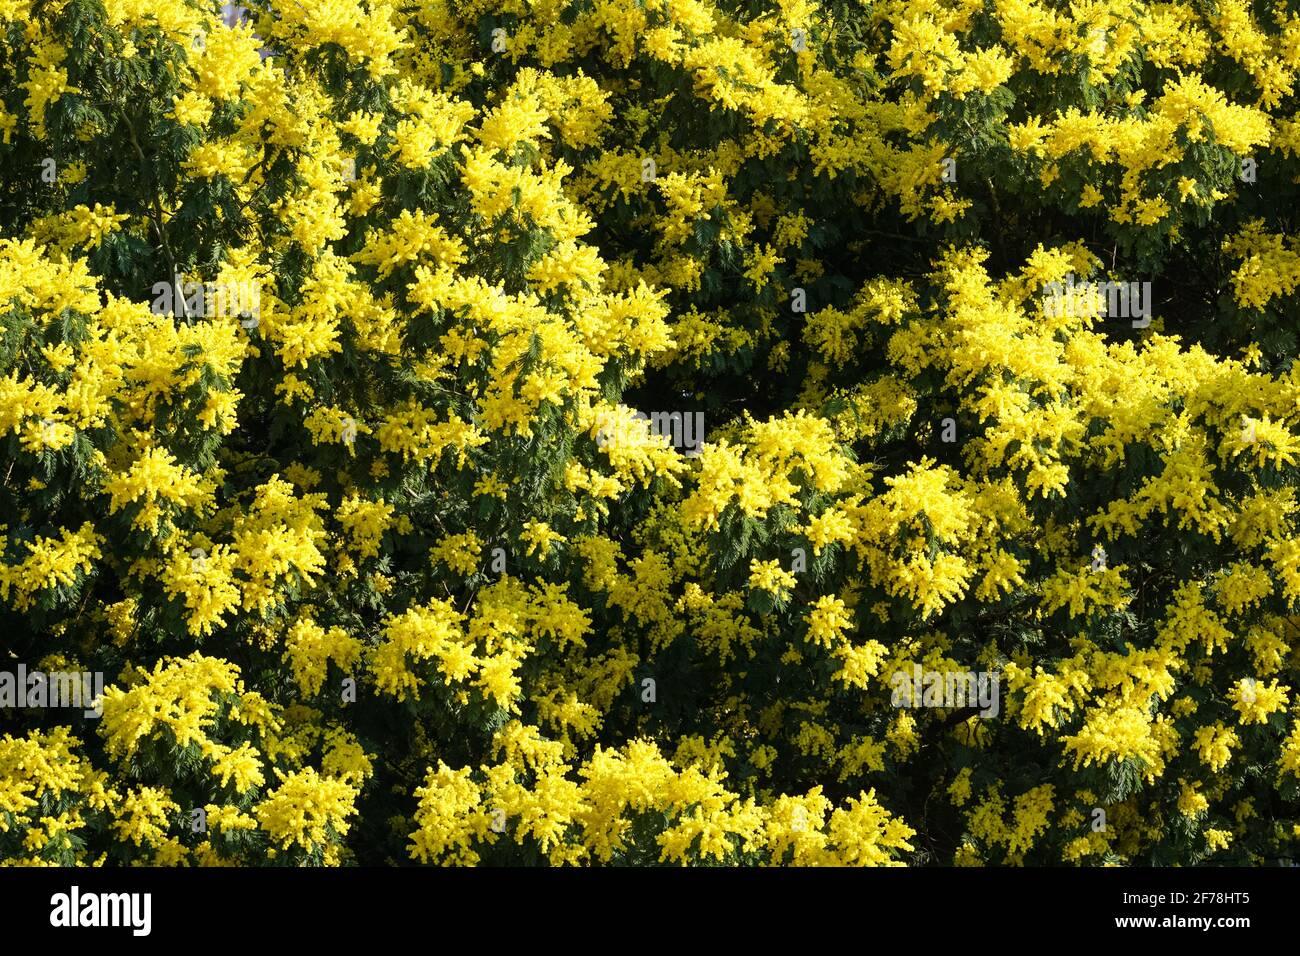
{"x":389,"y":564}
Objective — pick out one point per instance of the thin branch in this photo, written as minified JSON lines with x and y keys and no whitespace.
{"x":157,"y":217}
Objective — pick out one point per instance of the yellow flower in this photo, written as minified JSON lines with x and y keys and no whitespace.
{"x":771,"y":577}
{"x":539,"y":537}
{"x":305,"y":809}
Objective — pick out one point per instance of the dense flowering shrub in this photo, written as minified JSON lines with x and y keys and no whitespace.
{"x":380,"y":564}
